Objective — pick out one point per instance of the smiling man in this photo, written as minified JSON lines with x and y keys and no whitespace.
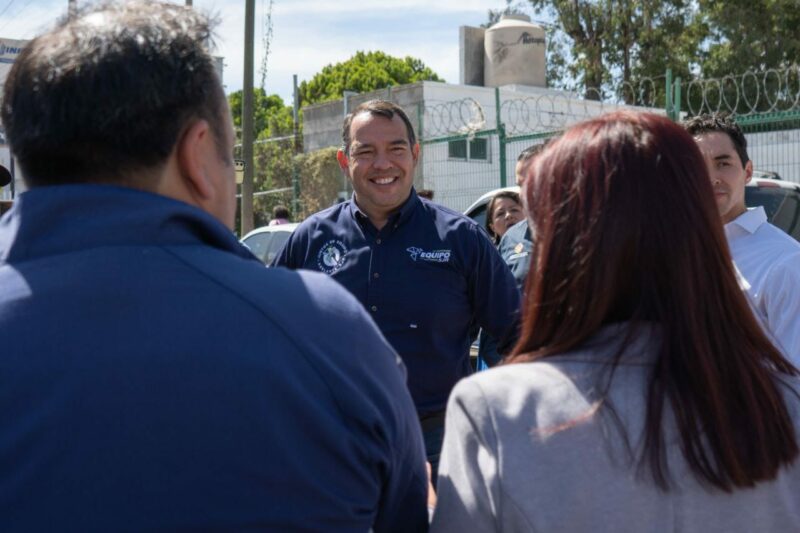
{"x":767,"y":258}
{"x":426,"y":274}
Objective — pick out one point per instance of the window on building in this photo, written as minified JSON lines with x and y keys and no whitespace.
{"x":479,"y":149}
{"x":476,"y":150}
{"x":457,"y":149}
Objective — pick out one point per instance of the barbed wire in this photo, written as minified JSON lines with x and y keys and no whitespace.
{"x":752,"y":92}
{"x":464,"y":116}
{"x":542,"y":112}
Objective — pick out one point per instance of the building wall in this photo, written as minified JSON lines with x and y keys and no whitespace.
{"x":450,"y":110}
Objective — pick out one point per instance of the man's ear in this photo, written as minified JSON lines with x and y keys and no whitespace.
{"x":748,"y":169}
{"x":193,"y":150}
{"x":415,"y":152}
{"x":344,"y":164}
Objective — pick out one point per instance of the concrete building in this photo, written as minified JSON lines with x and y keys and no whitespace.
{"x":457,"y":125}
{"x":464,"y":153}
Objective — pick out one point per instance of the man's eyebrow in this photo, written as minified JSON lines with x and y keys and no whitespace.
{"x":404,"y":142}
{"x":723,"y":156}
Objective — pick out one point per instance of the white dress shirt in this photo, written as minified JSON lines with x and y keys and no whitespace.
{"x":769,"y":260}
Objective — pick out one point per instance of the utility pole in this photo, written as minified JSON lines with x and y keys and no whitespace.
{"x":247,"y":116}
{"x":189,"y":3}
{"x":72,"y":8}
{"x":296,"y":146}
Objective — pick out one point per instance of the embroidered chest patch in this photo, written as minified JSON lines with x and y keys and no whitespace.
{"x":433,"y":256}
{"x":331,"y":256}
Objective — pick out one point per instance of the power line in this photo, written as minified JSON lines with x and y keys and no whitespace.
{"x":6,"y":8}
{"x":9,"y":21}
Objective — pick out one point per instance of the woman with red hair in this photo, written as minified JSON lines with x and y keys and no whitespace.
{"x":643,"y":394}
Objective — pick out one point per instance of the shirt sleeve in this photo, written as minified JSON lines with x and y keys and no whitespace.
{"x":468,"y":485}
{"x":782,"y":299}
{"x":289,"y":255}
{"x":495,"y":297}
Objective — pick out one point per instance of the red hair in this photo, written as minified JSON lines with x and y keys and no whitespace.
{"x":627,"y":230}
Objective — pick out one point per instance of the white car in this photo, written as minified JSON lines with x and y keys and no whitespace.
{"x":781,"y":201}
{"x":267,"y":241}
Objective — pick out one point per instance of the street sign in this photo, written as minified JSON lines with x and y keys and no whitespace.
{"x":239,"y":166}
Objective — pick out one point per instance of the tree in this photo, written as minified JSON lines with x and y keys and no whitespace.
{"x":365,"y":71}
{"x":271,"y":117}
{"x":617,"y":43}
{"x":750,"y":35}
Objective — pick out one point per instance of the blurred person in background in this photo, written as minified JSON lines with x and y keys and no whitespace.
{"x":280,"y":215}
{"x":504,"y":210}
{"x":643,"y":394}
{"x":514,"y":244}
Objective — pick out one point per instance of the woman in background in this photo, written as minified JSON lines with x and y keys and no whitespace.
{"x":642,"y":395}
{"x":504,"y":210}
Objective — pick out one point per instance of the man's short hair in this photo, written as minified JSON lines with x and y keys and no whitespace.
{"x":280,"y":211}
{"x":528,"y":153}
{"x":722,"y":123}
{"x":108,"y":93}
{"x":381,"y":108}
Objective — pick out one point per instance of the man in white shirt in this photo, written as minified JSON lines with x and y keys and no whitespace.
{"x":767,"y":258}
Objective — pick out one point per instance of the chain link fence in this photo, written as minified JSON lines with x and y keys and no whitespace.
{"x":470,"y":148}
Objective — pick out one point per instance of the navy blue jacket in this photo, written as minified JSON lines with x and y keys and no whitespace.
{"x":154,"y":375}
{"x":428,"y":278}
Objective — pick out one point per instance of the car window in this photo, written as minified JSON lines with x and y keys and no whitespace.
{"x":259,"y":244}
{"x":278,"y":239}
{"x":781,"y":205}
{"x":479,"y":214}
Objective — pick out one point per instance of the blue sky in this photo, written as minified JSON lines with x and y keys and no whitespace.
{"x":308,"y":34}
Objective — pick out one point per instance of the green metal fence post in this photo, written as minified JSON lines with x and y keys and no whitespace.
{"x":676,"y":99}
{"x":668,"y":96}
{"x":501,"y":137}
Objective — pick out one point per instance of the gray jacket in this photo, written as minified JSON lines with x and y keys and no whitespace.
{"x":529,"y":448}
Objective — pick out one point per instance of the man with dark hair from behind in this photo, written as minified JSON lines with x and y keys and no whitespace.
{"x":766,"y":257}
{"x":144,"y":383}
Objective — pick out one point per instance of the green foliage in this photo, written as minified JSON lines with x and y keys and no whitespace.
{"x":750,"y":35}
{"x":603,"y":46}
{"x":606,"y":45}
{"x":320,"y":180}
{"x":365,"y":71}
{"x":271,"y":118}
{"x":513,"y":7}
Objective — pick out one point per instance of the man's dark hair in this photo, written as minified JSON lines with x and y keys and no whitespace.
{"x":381,"y":108}
{"x":722,"y":123}
{"x":280,"y":211}
{"x":528,"y":153}
{"x":108,"y":93}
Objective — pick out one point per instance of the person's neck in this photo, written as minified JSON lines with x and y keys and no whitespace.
{"x":377,"y":217}
{"x":734,"y":214}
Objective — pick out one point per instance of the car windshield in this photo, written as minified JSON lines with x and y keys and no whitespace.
{"x":781,"y":205}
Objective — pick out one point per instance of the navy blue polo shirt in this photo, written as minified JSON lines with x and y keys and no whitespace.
{"x":428,"y":277}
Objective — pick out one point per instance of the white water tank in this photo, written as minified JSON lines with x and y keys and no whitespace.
{"x":514,"y":53}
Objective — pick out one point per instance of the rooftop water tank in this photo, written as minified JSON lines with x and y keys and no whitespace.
{"x":514,"y":53}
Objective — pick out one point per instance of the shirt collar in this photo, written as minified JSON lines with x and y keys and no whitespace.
{"x":747,"y":222}
{"x":395,"y":219}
